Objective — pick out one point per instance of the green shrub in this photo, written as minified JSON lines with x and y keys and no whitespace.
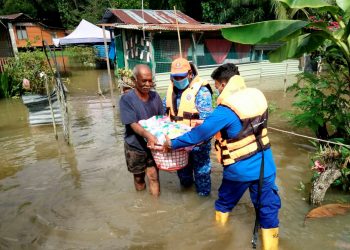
{"x":83,"y":55}
{"x":322,"y":104}
{"x":28,"y":65}
{"x":5,"y":86}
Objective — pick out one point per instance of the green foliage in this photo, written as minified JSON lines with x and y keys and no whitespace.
{"x":83,"y":55}
{"x":123,"y":72}
{"x":19,"y":6}
{"x":72,"y":12}
{"x":322,"y":104}
{"x":70,"y":16}
{"x":302,"y":36}
{"x":237,"y":11}
{"x":6,"y":89}
{"x":272,"y":107}
{"x":28,"y":65}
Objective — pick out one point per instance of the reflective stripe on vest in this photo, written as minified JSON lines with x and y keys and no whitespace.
{"x":187,"y":112}
{"x":250,"y":105}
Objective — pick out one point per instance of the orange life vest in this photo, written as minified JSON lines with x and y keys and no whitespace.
{"x":187,"y":112}
{"x":250,"y":105}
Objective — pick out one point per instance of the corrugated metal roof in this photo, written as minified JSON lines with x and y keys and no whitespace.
{"x":127,"y":16}
{"x":172,"y":27}
{"x":14,"y":16}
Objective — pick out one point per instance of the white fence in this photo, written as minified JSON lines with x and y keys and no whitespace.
{"x":250,"y":71}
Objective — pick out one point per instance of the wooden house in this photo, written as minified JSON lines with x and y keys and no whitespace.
{"x":20,"y":30}
{"x":150,"y":37}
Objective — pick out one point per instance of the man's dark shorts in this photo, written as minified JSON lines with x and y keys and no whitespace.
{"x":137,"y":160}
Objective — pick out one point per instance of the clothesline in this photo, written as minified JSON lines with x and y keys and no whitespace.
{"x":309,"y":137}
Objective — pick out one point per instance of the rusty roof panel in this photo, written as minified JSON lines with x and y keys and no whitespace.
{"x":127,"y":16}
{"x":11,"y":17}
{"x":172,"y":27}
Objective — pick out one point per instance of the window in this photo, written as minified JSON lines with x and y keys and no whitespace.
{"x":21,"y":33}
{"x":54,"y":34}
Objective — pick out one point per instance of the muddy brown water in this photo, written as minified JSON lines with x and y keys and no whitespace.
{"x":54,"y":196}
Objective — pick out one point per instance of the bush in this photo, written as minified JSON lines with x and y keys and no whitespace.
{"x":28,"y":65}
{"x":6,"y":88}
{"x":322,"y":104}
{"x":83,"y":55}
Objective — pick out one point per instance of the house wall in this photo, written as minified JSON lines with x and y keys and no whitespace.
{"x":5,"y":45}
{"x":36,"y":34}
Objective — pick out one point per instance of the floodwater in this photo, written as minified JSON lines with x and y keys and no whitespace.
{"x":81,"y":196}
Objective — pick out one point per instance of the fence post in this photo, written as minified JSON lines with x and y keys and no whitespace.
{"x":13,"y":39}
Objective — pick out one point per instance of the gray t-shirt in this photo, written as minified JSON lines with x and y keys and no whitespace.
{"x":132,"y":109}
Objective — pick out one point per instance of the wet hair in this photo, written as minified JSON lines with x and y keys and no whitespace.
{"x":225,"y":72}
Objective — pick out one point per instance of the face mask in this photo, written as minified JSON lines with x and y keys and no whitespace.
{"x":181,"y":84}
{"x":216,"y":91}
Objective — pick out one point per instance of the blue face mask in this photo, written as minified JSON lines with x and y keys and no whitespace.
{"x":216,"y":91}
{"x":182,"y":84}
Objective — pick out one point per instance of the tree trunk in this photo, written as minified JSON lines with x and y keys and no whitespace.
{"x":321,"y":185}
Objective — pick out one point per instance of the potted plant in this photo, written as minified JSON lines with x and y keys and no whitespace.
{"x":125,"y":79}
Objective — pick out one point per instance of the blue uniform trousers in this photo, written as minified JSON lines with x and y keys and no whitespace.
{"x":230,"y":192}
{"x":198,"y":169}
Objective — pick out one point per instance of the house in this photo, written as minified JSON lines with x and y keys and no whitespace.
{"x":17,"y":30}
{"x":151,"y":37}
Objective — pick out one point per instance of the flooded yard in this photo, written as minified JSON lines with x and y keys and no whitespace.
{"x":81,"y":196}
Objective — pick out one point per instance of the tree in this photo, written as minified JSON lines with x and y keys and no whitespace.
{"x":300,"y":36}
{"x":16,"y":6}
{"x":238,"y":11}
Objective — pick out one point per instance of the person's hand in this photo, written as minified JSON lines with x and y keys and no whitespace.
{"x":151,"y":141}
{"x":198,"y":122}
{"x":167,"y":144}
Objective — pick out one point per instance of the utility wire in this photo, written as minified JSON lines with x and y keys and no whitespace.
{"x":309,"y":137}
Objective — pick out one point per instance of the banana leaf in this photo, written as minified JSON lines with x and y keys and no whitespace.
{"x":263,"y":32}
{"x":344,"y":5}
{"x":296,"y":47}
{"x":301,"y":4}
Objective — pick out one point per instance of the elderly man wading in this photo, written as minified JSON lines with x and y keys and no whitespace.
{"x":139,"y":104}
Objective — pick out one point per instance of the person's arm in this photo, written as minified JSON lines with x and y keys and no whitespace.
{"x":164,"y":105}
{"x":219,"y":119}
{"x":204,"y":103}
{"x":138,"y":129}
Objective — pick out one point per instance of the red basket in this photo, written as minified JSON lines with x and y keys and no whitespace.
{"x":170,"y":161}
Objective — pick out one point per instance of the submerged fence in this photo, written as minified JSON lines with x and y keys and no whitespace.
{"x":3,"y":62}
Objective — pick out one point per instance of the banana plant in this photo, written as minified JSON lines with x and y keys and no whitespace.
{"x":300,"y":36}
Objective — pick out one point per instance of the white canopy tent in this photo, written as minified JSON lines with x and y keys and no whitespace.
{"x":84,"y":33}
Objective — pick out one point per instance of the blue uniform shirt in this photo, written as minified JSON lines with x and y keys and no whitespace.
{"x":225,"y":120}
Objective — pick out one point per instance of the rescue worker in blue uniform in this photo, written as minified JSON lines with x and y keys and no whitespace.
{"x":188,"y":101}
{"x":239,"y":124}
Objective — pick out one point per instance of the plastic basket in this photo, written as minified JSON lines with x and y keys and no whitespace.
{"x":170,"y":161}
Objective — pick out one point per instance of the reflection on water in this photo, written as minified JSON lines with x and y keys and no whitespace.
{"x":55,"y":196}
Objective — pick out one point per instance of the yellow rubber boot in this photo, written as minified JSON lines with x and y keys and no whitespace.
{"x":270,"y":238}
{"x":221,"y":217}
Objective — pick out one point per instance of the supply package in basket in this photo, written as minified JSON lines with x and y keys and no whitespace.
{"x":159,"y":126}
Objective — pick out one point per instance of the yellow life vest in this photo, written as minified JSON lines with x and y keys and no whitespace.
{"x":187,"y":112}
{"x":250,"y":105}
